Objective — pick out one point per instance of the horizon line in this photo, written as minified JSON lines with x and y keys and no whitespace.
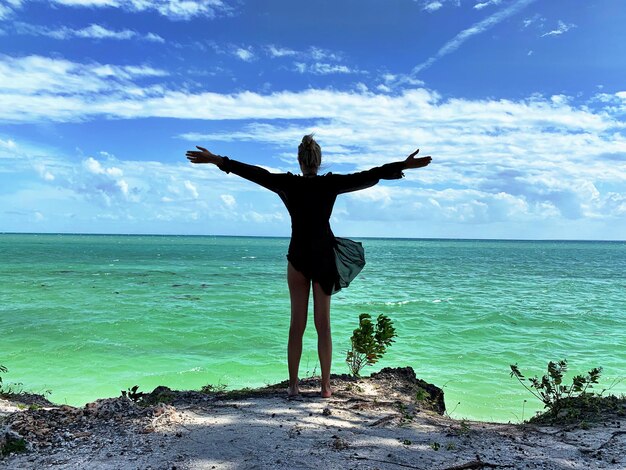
{"x":288,"y":236}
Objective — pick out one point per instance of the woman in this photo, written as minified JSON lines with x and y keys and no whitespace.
{"x":316,"y":258}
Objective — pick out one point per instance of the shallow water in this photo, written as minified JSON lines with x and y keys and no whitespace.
{"x":86,"y":316}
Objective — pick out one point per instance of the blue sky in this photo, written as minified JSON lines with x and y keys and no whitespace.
{"x":521,"y":103}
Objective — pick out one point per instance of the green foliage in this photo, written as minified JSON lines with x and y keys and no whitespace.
{"x":464,"y":428}
{"x":3,"y":370}
{"x":210,"y":388}
{"x":421,"y":394}
{"x":13,"y":446}
{"x":11,"y":389}
{"x":133,"y":394}
{"x":405,"y":412}
{"x":551,"y":390}
{"x":369,"y":342}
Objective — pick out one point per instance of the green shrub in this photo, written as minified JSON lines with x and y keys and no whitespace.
{"x":13,"y":446}
{"x":551,"y":390}
{"x":133,"y":394}
{"x":3,"y":370}
{"x":369,"y":342}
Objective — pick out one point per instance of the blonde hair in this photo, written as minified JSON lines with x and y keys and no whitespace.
{"x":309,"y":154}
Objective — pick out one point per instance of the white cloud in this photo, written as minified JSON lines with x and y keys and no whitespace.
{"x":275,"y":51}
{"x":473,"y":30}
{"x":174,"y":9}
{"x":7,"y":144}
{"x":96,"y":31}
{"x":481,"y":5}
{"x":435,"y":5}
{"x":152,"y":37}
{"x":263,"y":218}
{"x":322,"y":68}
{"x":93,"y":31}
{"x":5,"y":12}
{"x":561,"y":29}
{"x":318,"y":53}
{"x":8,"y":7}
{"x":47,"y":79}
{"x":536,"y":20}
{"x":244,"y":54}
{"x":393,"y":81}
{"x":432,"y":6}
{"x":228,"y":200}
{"x":192,"y":189}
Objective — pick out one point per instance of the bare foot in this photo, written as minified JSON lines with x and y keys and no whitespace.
{"x":326,"y":391}
{"x":294,"y":391}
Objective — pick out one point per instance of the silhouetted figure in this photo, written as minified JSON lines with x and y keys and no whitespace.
{"x":316,"y":257}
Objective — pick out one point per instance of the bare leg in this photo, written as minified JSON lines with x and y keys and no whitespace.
{"x":299,"y":288}
{"x":321,"y":310}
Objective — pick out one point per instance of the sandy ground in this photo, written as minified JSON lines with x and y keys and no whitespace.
{"x":374,"y":423}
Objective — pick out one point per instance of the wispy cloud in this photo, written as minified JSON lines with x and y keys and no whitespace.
{"x":473,"y":30}
{"x":93,"y":31}
{"x":49,"y":79}
{"x":275,"y":51}
{"x":432,"y":5}
{"x":173,"y":9}
{"x":244,"y":53}
{"x":536,"y":20}
{"x":481,"y":5}
{"x":321,"y":68}
{"x":560,"y":29}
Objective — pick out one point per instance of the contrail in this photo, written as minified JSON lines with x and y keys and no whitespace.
{"x":473,"y":30}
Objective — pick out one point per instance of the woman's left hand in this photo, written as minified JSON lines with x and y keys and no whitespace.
{"x":203,"y":156}
{"x":412,"y":162}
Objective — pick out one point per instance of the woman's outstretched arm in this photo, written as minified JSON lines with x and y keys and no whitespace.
{"x":390,"y":171}
{"x":258,"y":175}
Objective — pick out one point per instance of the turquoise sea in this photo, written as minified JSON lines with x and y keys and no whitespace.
{"x":86,"y":316}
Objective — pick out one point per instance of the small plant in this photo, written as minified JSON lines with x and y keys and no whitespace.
{"x":132,"y":394}
{"x":369,"y":342}
{"x":13,"y":446}
{"x":450,"y":446}
{"x":11,"y":389}
{"x":435,"y":445}
{"x":464,"y":428}
{"x":3,"y":370}
{"x":407,"y":442}
{"x":405,"y":412}
{"x":421,"y":394}
{"x":210,"y":388}
{"x":550,"y":389}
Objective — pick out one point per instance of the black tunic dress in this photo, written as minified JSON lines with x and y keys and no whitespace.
{"x":314,"y":250}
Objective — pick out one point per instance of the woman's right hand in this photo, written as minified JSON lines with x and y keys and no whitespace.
{"x":203,"y":156}
{"x":411,"y":162}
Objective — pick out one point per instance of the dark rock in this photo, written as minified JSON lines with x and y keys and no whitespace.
{"x":404,"y":381}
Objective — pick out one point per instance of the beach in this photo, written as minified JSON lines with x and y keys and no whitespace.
{"x":370,"y":423}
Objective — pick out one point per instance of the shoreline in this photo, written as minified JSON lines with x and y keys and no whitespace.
{"x":390,"y":420}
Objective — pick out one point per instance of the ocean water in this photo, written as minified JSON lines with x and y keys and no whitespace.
{"x":86,"y":316}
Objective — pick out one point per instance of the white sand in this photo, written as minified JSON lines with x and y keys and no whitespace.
{"x":366,"y":425}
